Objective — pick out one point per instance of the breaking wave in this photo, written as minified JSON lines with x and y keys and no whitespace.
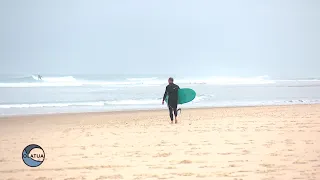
{"x":94,"y":103}
{"x":56,"y":81}
{"x":69,"y":81}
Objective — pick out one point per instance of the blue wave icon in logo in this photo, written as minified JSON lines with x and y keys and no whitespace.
{"x":30,"y":158}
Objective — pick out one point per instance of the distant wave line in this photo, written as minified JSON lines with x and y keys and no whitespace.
{"x":152,"y":81}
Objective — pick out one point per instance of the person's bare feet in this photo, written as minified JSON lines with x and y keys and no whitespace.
{"x":176,"y":120}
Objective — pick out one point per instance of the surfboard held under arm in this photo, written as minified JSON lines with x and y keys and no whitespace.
{"x":185,"y":95}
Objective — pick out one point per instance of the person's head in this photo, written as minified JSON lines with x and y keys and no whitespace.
{"x":170,"y":80}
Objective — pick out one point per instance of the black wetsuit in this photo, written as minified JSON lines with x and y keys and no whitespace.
{"x":172,"y":92}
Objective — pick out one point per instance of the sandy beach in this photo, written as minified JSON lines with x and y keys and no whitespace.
{"x":271,"y":142}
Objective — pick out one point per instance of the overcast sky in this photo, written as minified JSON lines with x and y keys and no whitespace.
{"x":280,"y":38}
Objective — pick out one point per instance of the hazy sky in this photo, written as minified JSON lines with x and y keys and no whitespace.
{"x":280,"y":38}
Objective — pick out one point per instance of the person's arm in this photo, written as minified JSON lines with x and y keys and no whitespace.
{"x":165,"y":94}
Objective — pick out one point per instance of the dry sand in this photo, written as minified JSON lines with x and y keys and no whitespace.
{"x":273,"y":142}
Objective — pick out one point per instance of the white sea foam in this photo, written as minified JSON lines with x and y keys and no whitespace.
{"x":152,"y":81}
{"x":67,"y":81}
{"x":95,"y":103}
{"x":38,"y":105}
{"x":223,"y":80}
{"x":55,"y":79}
{"x":115,"y":93}
{"x":152,"y":102}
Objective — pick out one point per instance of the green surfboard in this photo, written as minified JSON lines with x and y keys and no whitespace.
{"x":185,"y":95}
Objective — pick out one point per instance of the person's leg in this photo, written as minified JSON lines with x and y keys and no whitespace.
{"x":175,"y":112}
{"x":171,"y":114}
{"x":174,"y":107}
{"x":179,"y":109}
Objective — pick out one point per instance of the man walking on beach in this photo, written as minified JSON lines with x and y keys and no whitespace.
{"x":172,"y":92}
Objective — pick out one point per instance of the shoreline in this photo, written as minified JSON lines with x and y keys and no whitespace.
{"x":113,"y":112}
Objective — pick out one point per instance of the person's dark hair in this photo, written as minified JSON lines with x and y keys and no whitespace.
{"x":171,"y":79}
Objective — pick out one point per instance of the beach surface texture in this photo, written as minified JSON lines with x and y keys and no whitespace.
{"x":271,"y":142}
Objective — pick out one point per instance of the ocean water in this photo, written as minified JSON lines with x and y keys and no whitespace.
{"x":23,"y":95}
